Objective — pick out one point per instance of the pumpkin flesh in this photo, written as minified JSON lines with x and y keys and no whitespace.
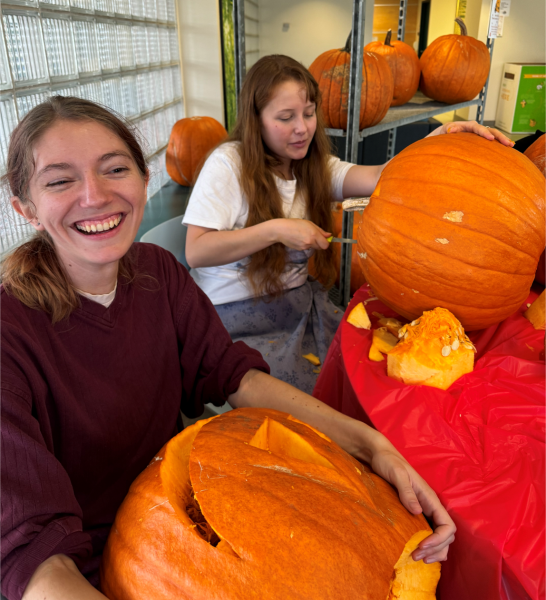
{"x":295,"y":516}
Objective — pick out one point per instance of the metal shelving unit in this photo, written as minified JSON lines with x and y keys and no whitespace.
{"x":417,"y":109}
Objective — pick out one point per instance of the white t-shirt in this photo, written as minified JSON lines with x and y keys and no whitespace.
{"x":217,"y":202}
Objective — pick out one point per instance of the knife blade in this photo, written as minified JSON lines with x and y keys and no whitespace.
{"x":341,"y":240}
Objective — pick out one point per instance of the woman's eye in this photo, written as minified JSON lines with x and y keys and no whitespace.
{"x":310,"y":116}
{"x":59,"y":182}
{"x":119,"y":169}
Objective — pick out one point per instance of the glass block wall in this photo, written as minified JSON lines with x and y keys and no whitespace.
{"x":121,"y":53}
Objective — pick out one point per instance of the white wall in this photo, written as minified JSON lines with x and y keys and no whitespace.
{"x":315,"y":26}
{"x":199,"y":23}
{"x":523,"y":40}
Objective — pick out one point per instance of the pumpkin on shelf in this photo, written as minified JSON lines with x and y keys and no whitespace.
{"x":254,"y":504}
{"x":190,"y":141}
{"x":357,"y":277}
{"x":331,"y":70}
{"x":443,"y":229}
{"x":404,"y":64}
{"x":454,"y":68}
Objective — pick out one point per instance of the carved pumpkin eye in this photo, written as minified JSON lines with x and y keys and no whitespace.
{"x":254,"y":503}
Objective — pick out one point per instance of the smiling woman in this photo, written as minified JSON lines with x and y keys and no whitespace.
{"x":103,"y":342}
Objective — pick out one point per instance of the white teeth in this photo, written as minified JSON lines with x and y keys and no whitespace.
{"x":99,"y":226}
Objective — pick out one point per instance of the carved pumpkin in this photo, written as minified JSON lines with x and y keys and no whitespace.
{"x":454,"y":68}
{"x":457,"y":222}
{"x":404,"y":64}
{"x":357,"y":277}
{"x":331,"y":70}
{"x":255,"y":504}
{"x":536,"y":153}
{"x":190,"y":141}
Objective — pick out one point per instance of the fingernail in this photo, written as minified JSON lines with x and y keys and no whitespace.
{"x":419,"y":556}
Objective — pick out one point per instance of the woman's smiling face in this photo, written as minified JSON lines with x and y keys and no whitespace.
{"x":88,"y":193}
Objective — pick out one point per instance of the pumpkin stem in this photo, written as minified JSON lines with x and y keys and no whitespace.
{"x":460,"y":23}
{"x":348,"y":43}
{"x":388,"y":38}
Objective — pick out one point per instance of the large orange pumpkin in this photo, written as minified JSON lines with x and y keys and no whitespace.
{"x":404,"y":64}
{"x":537,"y":154}
{"x":357,"y":277}
{"x":331,"y":70}
{"x":190,"y":141}
{"x":457,"y":222}
{"x":255,"y":504}
{"x":454,"y":68}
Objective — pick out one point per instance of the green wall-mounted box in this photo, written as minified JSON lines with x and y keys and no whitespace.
{"x":521,"y":107}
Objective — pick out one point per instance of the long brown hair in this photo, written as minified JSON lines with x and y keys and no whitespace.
{"x":312,"y":173}
{"x":33,"y":272}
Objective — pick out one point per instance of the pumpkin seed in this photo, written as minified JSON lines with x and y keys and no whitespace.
{"x":446,"y":350}
{"x":414,"y":323}
{"x":442,"y":241}
{"x":455,"y":345}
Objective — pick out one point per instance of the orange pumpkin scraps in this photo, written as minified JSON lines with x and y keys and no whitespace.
{"x":393,"y":325}
{"x":283,"y":500}
{"x":314,"y":360}
{"x":536,"y":312}
{"x":383,"y":342}
{"x":433,"y":350}
{"x":359,"y":317}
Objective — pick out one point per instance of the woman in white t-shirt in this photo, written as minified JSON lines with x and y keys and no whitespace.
{"x":261,"y":207}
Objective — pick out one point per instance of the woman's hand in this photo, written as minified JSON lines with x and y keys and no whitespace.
{"x":417,"y":496}
{"x":300,"y":234}
{"x":473,"y":127}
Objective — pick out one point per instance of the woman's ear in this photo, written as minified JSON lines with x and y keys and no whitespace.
{"x":27,"y":212}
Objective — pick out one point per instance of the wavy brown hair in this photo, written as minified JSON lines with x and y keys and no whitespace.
{"x":33,"y":272}
{"x":258,"y":163}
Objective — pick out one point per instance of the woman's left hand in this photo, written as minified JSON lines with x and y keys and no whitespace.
{"x":417,"y":496}
{"x":488,"y":133}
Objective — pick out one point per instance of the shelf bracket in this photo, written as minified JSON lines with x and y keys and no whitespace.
{"x":402,"y":21}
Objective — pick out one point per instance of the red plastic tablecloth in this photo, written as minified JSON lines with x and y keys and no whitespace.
{"x":480,"y":445}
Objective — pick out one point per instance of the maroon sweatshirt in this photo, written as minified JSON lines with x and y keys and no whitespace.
{"x":88,"y":402}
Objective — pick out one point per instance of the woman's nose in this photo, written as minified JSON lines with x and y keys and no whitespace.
{"x":94,"y":191}
{"x":300,"y":126}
